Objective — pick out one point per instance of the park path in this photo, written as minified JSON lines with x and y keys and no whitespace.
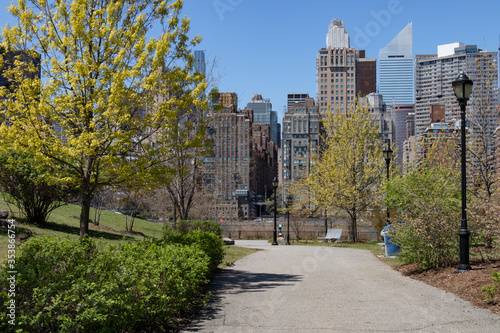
{"x":325,"y":289}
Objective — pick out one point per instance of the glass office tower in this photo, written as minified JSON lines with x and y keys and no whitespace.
{"x":396,"y":69}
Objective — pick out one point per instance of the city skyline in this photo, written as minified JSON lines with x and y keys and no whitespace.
{"x":270,"y":48}
{"x":258,"y":43}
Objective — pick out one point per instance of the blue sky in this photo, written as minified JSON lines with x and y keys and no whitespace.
{"x":269,"y":46}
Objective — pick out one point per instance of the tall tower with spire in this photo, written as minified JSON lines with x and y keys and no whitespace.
{"x":337,"y":35}
{"x":342,"y":72}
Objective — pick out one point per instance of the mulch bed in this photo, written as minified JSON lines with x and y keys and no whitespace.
{"x":466,"y":285}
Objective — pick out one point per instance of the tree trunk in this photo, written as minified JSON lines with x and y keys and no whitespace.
{"x":353,"y":228}
{"x":85,"y":214}
{"x":86,"y":196}
{"x":131,"y":225}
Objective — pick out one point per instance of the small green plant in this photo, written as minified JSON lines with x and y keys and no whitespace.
{"x":491,"y":291}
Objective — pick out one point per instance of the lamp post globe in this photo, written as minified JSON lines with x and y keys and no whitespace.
{"x":462,"y":88}
{"x":275,"y":187}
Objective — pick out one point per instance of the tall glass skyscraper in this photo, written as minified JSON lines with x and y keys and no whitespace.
{"x":263,"y":114}
{"x":199,"y":62}
{"x":396,"y":69}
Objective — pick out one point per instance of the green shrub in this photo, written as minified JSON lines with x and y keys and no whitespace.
{"x":208,"y":242}
{"x":428,"y":242}
{"x":207,"y":226}
{"x":429,"y":206}
{"x":69,"y":286}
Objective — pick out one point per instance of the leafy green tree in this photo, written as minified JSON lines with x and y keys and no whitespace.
{"x":349,"y":167}
{"x":107,"y":89}
{"x":28,"y":187}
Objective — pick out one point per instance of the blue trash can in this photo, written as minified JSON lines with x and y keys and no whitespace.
{"x":391,"y":249}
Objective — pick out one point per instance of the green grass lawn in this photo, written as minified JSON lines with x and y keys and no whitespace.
{"x":64,"y":222}
{"x":233,"y":253}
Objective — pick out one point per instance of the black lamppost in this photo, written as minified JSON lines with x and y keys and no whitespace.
{"x":288,"y":205}
{"x":275,"y":186}
{"x":462,"y":87}
{"x":388,"y":157}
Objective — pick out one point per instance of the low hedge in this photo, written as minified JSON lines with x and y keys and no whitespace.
{"x":208,"y":242}
{"x":70,"y":286}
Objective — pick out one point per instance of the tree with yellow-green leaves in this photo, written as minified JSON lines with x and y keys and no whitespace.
{"x":349,"y":166}
{"x":107,"y":91}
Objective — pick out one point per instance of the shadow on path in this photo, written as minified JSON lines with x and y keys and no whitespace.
{"x":234,"y":281}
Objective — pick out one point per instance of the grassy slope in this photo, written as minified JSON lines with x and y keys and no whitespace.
{"x":62,"y":223}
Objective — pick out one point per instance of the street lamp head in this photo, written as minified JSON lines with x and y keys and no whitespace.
{"x":387,"y":152}
{"x":275,"y":183}
{"x":462,"y":87}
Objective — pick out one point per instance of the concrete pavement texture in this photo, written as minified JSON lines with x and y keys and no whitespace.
{"x":330,"y":289}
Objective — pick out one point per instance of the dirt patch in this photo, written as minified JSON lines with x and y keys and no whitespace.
{"x":137,"y":233}
{"x":101,"y":227}
{"x":466,"y":285}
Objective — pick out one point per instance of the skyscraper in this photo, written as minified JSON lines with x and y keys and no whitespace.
{"x":339,"y":70}
{"x":263,"y":114}
{"x":243,"y":161}
{"x":435,"y":73}
{"x":337,"y":36}
{"x":366,"y":75}
{"x":379,"y":115}
{"x":396,"y":69}
{"x":399,"y":116}
{"x":301,"y":135}
{"x":199,"y":62}
{"x":293,"y":98}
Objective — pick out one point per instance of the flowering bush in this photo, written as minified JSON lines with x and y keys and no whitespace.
{"x":484,"y":217}
{"x":428,"y":201}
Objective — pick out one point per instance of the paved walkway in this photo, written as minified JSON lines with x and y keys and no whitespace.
{"x":325,"y":289}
